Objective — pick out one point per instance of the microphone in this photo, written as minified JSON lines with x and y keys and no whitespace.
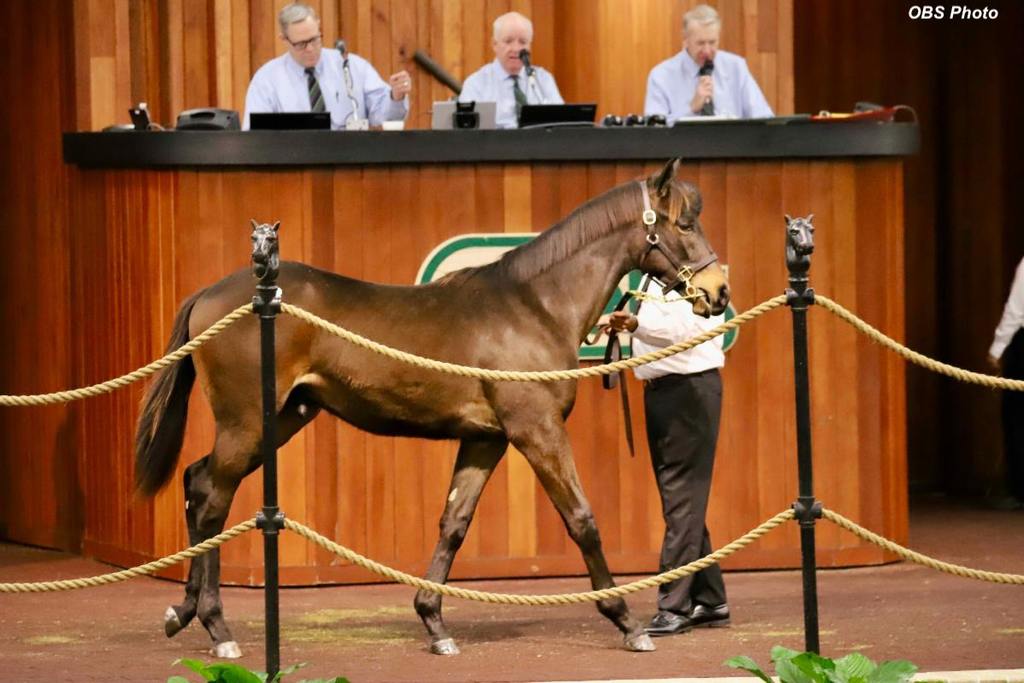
{"x":342,"y":47}
{"x":531,"y":78}
{"x":435,"y":70}
{"x":524,"y":57}
{"x":706,"y":69}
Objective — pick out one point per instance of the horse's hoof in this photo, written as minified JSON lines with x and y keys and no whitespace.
{"x":445,"y":646}
{"x":172,"y":624}
{"x":226,"y":650}
{"x":639,"y":642}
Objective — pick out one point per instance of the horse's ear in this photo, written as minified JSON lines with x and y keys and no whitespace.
{"x":789,"y":219}
{"x":810,"y":218}
{"x":276,"y":225}
{"x":254,"y":223}
{"x":664,"y":179}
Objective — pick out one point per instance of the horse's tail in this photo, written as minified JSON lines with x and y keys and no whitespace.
{"x":161,"y":428}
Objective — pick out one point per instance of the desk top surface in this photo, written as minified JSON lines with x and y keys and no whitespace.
{"x":700,"y":141}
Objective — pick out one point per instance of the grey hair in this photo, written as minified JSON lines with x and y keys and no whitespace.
{"x":500,"y":21}
{"x":704,"y":15}
{"x":293,"y":14}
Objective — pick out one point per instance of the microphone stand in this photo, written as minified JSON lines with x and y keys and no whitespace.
{"x":353,"y":122}
{"x":531,"y":84}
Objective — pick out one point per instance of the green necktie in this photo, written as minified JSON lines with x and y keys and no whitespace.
{"x":519,"y":94}
{"x":316,"y":98}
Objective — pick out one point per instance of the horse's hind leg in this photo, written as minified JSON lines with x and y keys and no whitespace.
{"x":473,"y":467}
{"x":178,"y":617}
{"x":546,"y":446}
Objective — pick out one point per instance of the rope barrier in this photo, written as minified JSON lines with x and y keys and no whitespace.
{"x":918,"y":558}
{"x":511,"y":598}
{"x":536,"y":375}
{"x":141,"y":570}
{"x":134,"y":376}
{"x":913,"y":356}
{"x":561,"y":599}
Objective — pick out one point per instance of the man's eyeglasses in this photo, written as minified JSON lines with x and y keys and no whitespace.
{"x":303,"y":44}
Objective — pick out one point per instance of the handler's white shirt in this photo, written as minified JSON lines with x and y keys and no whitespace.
{"x":663,"y":324}
{"x":1013,"y":314}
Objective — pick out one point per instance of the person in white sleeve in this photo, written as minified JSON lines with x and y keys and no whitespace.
{"x":1006,"y":355}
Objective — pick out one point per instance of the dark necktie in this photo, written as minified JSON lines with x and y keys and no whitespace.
{"x":316,"y":98}
{"x":518,"y":93}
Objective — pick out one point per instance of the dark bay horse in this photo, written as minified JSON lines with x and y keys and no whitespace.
{"x":553,"y":288}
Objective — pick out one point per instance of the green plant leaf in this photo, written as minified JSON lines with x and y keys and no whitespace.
{"x":789,"y":671}
{"x":782,"y":653}
{"x":896,"y":671}
{"x":177,"y":679}
{"x":233,"y":673}
{"x":287,"y":670}
{"x":197,"y":666}
{"x":814,"y":666}
{"x":747,"y":664}
{"x":855,"y":666}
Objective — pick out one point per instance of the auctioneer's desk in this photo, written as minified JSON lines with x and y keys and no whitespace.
{"x":158,"y":215}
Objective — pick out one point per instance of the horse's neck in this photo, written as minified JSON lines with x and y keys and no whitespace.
{"x":575,"y":291}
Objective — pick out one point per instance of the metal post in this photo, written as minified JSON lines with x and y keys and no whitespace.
{"x":799,"y":245}
{"x":267,"y":303}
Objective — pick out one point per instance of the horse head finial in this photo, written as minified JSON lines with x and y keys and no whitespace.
{"x":799,"y":242}
{"x":265,"y":259}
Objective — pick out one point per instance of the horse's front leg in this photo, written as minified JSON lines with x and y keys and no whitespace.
{"x":545,"y":444}
{"x":473,"y":467}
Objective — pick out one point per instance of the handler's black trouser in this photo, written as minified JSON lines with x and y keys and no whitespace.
{"x":682,"y":430}
{"x":1013,"y":417}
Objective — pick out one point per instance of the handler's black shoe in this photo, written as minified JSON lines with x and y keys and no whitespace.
{"x":702,"y":616}
{"x":668,"y":624}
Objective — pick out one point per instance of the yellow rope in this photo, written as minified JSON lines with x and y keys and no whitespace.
{"x":907,"y":554}
{"x":915,"y":357}
{"x":141,"y":570}
{"x":531,"y":376}
{"x":562,"y":599}
{"x":134,"y":376}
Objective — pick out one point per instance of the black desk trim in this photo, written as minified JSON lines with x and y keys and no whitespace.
{"x":712,"y":140}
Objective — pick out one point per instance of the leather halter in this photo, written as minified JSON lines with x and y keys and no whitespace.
{"x":683,"y":273}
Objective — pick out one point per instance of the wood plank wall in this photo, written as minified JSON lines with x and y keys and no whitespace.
{"x":383,"y":496}
{"x":180,"y":54}
{"x":963,"y":201}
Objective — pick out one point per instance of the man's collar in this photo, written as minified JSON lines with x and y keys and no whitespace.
{"x":500,"y":70}
{"x":294,"y":66}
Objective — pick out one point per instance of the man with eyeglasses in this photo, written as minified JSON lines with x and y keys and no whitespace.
{"x":311,"y":78}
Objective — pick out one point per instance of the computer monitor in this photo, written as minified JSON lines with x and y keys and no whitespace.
{"x":290,"y":120}
{"x":536,"y":115}
{"x":442,"y":115}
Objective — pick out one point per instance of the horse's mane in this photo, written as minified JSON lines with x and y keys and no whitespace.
{"x":588,"y":223}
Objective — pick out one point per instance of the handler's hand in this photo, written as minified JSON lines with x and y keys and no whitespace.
{"x":621,"y":321}
{"x":995,"y":363}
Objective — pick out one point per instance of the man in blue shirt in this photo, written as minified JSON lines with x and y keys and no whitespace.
{"x":679,"y":88}
{"x":505,"y":81}
{"x":311,"y":78}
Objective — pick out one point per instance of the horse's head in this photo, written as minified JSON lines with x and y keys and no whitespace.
{"x":676,"y":250}
{"x":799,"y":242}
{"x":265,"y":258}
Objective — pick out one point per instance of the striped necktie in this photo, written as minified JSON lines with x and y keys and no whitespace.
{"x":316,"y":98}
{"x":518,"y":93}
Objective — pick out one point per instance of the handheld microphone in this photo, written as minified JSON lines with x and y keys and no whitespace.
{"x":706,"y":69}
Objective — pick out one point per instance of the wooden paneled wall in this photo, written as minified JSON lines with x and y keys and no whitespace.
{"x":146,"y":239}
{"x":964,"y":235}
{"x":180,"y":54}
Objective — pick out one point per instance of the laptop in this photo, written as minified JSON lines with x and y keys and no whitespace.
{"x":536,"y":115}
{"x":442,"y":115}
{"x":290,"y":120}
